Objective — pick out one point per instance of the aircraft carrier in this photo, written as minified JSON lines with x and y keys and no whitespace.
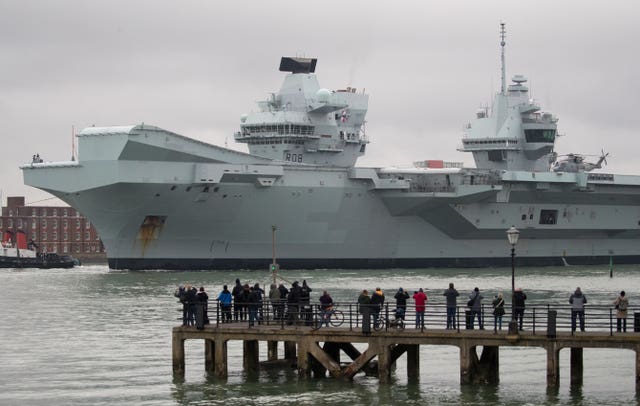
{"x":160,"y":200}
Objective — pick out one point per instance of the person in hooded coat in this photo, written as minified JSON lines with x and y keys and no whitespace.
{"x":577,"y":300}
{"x":401,"y":303}
{"x":225,"y":298}
{"x":237,"y":300}
{"x":293,"y":303}
{"x":622,"y":304}
{"x":475,"y":301}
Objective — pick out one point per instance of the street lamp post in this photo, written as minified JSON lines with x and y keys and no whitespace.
{"x":512,"y":235}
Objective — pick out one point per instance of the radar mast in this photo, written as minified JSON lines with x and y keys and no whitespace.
{"x":504,"y":74}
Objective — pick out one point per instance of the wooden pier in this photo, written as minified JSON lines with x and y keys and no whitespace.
{"x":321,"y":352}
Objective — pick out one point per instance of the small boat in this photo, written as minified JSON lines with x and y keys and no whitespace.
{"x":23,"y":255}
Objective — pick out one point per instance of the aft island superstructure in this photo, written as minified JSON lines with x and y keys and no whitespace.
{"x":164,"y":201}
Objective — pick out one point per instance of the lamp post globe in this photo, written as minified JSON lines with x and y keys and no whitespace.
{"x":512,"y":236}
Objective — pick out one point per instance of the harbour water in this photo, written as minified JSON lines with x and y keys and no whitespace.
{"x":91,"y":336}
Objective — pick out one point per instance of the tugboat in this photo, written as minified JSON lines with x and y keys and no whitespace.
{"x":23,"y":255}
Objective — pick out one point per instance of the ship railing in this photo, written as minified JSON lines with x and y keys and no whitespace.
{"x":431,"y":189}
{"x":538,"y":318}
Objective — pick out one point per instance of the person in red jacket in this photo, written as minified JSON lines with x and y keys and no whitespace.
{"x":420,"y":299}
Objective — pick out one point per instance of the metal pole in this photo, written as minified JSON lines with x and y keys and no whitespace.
{"x":513,"y":282}
{"x":513,"y":324}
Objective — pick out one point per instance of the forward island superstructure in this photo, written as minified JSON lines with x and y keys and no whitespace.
{"x":160,"y":200}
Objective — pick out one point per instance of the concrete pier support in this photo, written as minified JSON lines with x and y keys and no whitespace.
{"x":413,"y":363}
{"x":178,"y":354}
{"x":474,"y":370}
{"x":209,"y":355}
{"x":304,"y":367}
{"x":577,"y":367}
{"x":220,"y":358}
{"x":467,"y":355}
{"x":272,"y":350}
{"x":489,"y":365}
{"x":384,"y":364}
{"x":251,"y":356}
{"x":638,"y":369}
{"x":553,"y":366}
{"x":290,"y":350}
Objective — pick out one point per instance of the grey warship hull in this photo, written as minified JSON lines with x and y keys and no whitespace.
{"x":202,"y":213}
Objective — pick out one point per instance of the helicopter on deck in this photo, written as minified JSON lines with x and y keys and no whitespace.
{"x":576,"y":163}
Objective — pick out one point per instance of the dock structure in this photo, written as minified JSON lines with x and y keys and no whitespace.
{"x":331,"y":350}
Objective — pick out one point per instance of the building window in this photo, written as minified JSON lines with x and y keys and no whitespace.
{"x":1,"y":223}
{"x":65,"y":236}
{"x":87,"y":225}
{"x":87,"y":236}
{"x":44,"y":236}
{"x":77,"y":236}
{"x":19,"y":223}
{"x":65,"y":213}
{"x":55,"y":236}
{"x":10,"y":213}
{"x":44,"y":224}
{"x":55,"y":212}
{"x":78,"y":223}
{"x":65,"y":248}
{"x":55,"y":224}
{"x":10,"y":223}
{"x":34,"y":224}
{"x":65,"y":224}
{"x":87,"y":248}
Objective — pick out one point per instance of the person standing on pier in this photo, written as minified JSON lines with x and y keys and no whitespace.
{"x":577,"y":300}
{"x":203,"y":300}
{"x":305,"y":302}
{"x":498,"y":312}
{"x":401,"y":303}
{"x":518,"y":302}
{"x":377,"y":301}
{"x":224,"y":298}
{"x":475,"y":303}
{"x":237,"y":300}
{"x":192,"y":298}
{"x":364,"y":303}
{"x":451,"y":295}
{"x":181,"y":294}
{"x":260,"y":292}
{"x":326,"y":306}
{"x":254,"y":300}
{"x":621,"y":304}
{"x":284,"y":293}
{"x":421,"y":299}
{"x":274,"y":298}
{"x":244,"y":301}
{"x":293,"y":303}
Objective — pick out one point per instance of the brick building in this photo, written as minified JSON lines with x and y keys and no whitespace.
{"x":57,"y":229}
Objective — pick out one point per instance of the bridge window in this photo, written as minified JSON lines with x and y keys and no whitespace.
{"x":540,"y":135}
{"x":548,"y":216}
{"x":497,"y":156}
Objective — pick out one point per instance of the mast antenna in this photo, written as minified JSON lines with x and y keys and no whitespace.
{"x":73,"y":143}
{"x":502,"y":63}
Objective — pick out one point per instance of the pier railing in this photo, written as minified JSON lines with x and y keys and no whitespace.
{"x":538,"y":318}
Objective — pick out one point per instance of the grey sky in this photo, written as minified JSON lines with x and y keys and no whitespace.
{"x":193,"y":67}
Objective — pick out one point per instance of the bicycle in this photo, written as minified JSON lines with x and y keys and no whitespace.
{"x":331,"y":316}
{"x":397,"y":322}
